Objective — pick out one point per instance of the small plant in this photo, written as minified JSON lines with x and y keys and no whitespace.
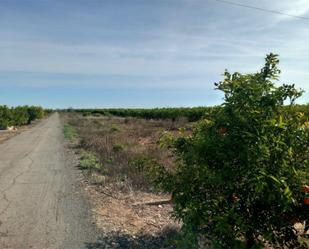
{"x":90,"y":161}
{"x":115,"y":127}
{"x":152,"y":171}
{"x":86,"y":114}
{"x":140,"y":162}
{"x":70,"y":132}
{"x":97,"y":179}
{"x":118,"y":147}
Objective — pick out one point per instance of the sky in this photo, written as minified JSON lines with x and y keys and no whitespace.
{"x":141,"y":53}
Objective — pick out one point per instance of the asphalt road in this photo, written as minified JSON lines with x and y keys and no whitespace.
{"x":41,"y":203}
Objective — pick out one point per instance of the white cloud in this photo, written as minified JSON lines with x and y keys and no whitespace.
{"x":199,"y":40}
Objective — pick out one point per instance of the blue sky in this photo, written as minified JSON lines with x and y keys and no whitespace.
{"x":141,"y":53}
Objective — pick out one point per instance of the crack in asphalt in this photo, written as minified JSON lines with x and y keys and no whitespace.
{"x":4,"y":197}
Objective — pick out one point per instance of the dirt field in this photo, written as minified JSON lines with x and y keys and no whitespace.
{"x":118,"y":190}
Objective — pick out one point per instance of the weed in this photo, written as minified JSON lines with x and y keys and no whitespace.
{"x":97,"y":179}
{"x":90,"y":161}
{"x":115,"y":127}
{"x":120,"y":151}
{"x":118,"y":147}
{"x":69,"y":132}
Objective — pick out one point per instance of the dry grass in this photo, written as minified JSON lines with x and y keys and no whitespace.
{"x":118,"y":211}
{"x":115,"y":142}
{"x":119,"y":141}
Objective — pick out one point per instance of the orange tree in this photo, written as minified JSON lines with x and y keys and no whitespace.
{"x":239,"y":175}
{"x":20,"y":115}
{"x":35,"y":112}
{"x":5,"y":117}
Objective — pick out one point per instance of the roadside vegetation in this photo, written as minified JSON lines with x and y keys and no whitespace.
{"x":20,"y":115}
{"x":113,"y":152}
{"x":241,"y":175}
{"x":122,"y":145}
{"x":69,"y":132}
{"x":237,"y":175}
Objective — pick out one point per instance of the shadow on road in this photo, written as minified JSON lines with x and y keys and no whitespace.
{"x":124,"y":241}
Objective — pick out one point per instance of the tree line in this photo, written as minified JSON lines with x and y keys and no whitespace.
{"x":20,"y":115}
{"x":191,"y":113}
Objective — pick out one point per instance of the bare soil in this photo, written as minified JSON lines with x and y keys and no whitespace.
{"x":7,"y":134}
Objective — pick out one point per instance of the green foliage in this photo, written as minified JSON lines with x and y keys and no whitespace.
{"x":48,"y":111}
{"x":20,"y":115}
{"x":118,"y":147}
{"x":35,"y":112}
{"x":115,"y":127}
{"x":5,"y":117}
{"x":90,"y":161}
{"x":69,"y":132}
{"x":86,"y":114}
{"x":192,"y":114}
{"x":152,"y":170}
{"x":240,"y":174}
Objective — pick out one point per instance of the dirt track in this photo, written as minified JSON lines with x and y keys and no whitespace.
{"x":41,"y":204}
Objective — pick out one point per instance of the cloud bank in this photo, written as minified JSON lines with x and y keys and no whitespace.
{"x":156,"y":45}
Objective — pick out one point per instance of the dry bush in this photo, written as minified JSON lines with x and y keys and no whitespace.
{"x":118,"y":141}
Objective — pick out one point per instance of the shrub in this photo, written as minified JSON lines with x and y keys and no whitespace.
{"x":118,"y":147}
{"x":35,"y":112}
{"x":20,"y":115}
{"x":70,"y":132}
{"x":240,"y":174}
{"x":90,"y":161}
{"x":149,"y":169}
{"x":5,"y":117}
{"x":115,"y":127}
{"x":86,"y":114}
